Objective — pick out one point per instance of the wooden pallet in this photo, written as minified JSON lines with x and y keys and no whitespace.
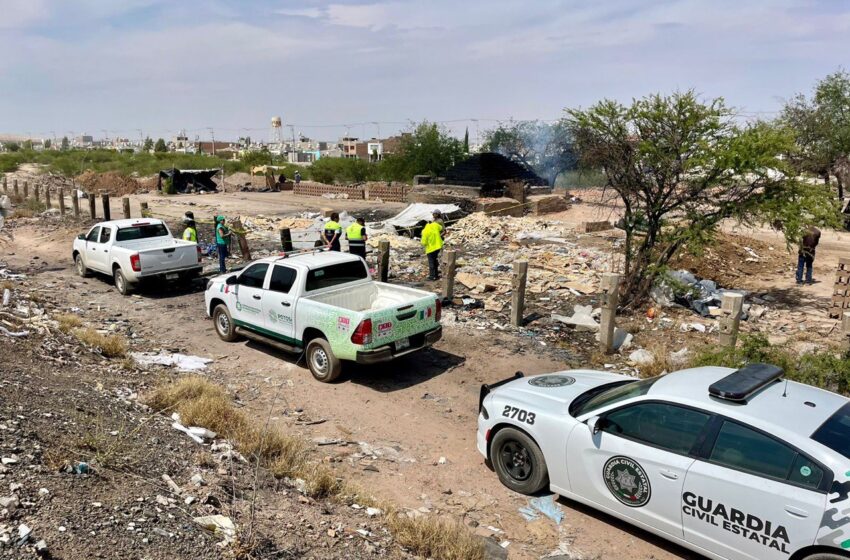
{"x":841,"y":290}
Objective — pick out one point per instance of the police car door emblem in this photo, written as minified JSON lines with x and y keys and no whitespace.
{"x":627,"y":481}
{"x":551,"y":381}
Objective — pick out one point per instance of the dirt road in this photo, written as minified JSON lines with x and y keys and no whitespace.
{"x":396,"y":422}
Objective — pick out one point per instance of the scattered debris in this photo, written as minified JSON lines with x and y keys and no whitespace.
{"x":181,"y":361}
{"x":545,"y":505}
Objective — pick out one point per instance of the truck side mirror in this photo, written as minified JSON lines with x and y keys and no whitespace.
{"x":232,"y":280}
{"x":594,"y":424}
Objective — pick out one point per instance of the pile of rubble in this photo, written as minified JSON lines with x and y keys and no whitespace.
{"x":110,"y":182}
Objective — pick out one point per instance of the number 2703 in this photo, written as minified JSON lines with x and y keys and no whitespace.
{"x":519,"y":414}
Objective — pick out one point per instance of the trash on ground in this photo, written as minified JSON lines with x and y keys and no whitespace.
{"x":545,"y":505}
{"x":180,"y":361}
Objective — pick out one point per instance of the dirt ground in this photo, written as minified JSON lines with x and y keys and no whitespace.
{"x":405,"y":430}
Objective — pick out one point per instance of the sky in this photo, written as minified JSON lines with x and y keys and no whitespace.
{"x":370,"y":68}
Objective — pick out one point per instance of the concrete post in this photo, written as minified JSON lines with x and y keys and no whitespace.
{"x":15,"y":186}
{"x":47,"y":195}
{"x":92,"y":203}
{"x":518,"y":295}
{"x":107,"y":213}
{"x":449,"y":278}
{"x":610,"y":287}
{"x":5,"y":186}
{"x":146,"y":213}
{"x":125,"y":202}
{"x":731,"y":305}
{"x":26,"y":190}
{"x":37,"y":192}
{"x":61,"y":201}
{"x":75,"y":203}
{"x":285,"y":239}
{"x":845,"y":329}
{"x":384,"y":260}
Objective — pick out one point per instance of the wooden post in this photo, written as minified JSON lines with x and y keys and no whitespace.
{"x":5,"y":186}
{"x":126,"y":203}
{"x":144,"y":210}
{"x":15,"y":186}
{"x":75,"y":203}
{"x":61,"y":201}
{"x":26,"y":190}
{"x":845,"y":328}
{"x":610,"y":287}
{"x":107,"y":214}
{"x":518,"y":296}
{"x":384,"y":260}
{"x":449,"y":278}
{"x":731,"y":305}
{"x":285,"y":239}
{"x":92,"y":203}
{"x":240,"y":237}
{"x":36,"y":192}
{"x":47,"y":195}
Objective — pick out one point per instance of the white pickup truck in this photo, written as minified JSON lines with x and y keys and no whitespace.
{"x":134,"y":251}
{"x":325,"y":304}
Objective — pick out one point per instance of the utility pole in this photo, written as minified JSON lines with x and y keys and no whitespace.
{"x":141,"y":140}
{"x":378,"y":128}
{"x":477,"y":136}
{"x":212,"y":136}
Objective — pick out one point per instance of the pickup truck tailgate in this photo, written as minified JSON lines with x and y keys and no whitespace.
{"x":395,"y":324}
{"x":160,"y":260}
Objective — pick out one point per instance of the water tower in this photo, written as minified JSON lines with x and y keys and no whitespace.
{"x":276,"y":135}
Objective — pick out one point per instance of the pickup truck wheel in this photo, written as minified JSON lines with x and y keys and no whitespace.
{"x":224,"y":326}
{"x":82,"y":269}
{"x":518,"y":461}
{"x":321,"y":360}
{"x":824,"y":556}
{"x":121,"y":283}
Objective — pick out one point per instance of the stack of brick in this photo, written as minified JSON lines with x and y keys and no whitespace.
{"x":314,"y":189}
{"x":386,"y":193}
{"x":841,"y":291}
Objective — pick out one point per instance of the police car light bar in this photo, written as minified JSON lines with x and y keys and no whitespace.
{"x":743,"y":383}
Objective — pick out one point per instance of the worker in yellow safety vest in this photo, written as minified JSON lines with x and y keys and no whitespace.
{"x":191,"y":231}
{"x":432,"y":241}
{"x":356,"y":235}
{"x":332,"y":232}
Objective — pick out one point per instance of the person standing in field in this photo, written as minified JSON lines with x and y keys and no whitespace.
{"x":432,"y":242}
{"x":356,"y":235}
{"x":222,"y":240}
{"x":332,"y":232}
{"x":806,"y":254}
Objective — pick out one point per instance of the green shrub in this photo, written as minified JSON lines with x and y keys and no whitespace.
{"x":823,"y":369}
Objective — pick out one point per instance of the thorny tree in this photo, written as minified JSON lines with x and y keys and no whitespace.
{"x":822,"y":129}
{"x":680,"y":167}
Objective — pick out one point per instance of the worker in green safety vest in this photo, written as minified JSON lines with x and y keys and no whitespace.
{"x":332,"y":232}
{"x":356,"y":235}
{"x":432,"y":241}
{"x":191,"y":231}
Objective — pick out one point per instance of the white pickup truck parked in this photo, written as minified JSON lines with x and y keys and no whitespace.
{"x":325,"y":304}
{"x":134,"y":251}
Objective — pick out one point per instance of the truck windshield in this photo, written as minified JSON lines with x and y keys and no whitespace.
{"x":612,"y":393}
{"x":835,"y":432}
{"x":336,"y":274}
{"x":142,"y":231}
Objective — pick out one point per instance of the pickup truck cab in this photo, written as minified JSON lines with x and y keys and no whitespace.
{"x":325,"y":304}
{"x":134,"y":251}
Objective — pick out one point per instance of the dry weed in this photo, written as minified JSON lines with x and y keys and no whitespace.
{"x":660,"y":364}
{"x":111,"y":346}
{"x":435,"y":537}
{"x":322,"y":483}
{"x":68,"y":322}
{"x":166,"y":398}
{"x":283,"y":455}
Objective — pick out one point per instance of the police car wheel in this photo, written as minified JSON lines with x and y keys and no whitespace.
{"x":824,"y":556}
{"x":324,"y":366}
{"x":518,"y":462}
{"x":121,"y":283}
{"x":82,"y":270}
{"x":224,"y":327}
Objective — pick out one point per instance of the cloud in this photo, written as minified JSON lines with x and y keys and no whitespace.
{"x":312,"y":13}
{"x":18,"y":14}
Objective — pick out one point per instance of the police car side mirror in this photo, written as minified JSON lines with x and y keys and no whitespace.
{"x":232,"y":280}
{"x":594,"y":424}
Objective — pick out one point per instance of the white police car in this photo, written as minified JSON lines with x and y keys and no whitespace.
{"x":733,"y":464}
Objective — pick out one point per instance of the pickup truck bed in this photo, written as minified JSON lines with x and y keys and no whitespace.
{"x":368,"y":297}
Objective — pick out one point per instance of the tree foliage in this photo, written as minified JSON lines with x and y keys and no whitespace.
{"x":47,"y":144}
{"x":821,"y":125}
{"x":148,"y":145}
{"x":546,"y":148}
{"x":428,"y":150}
{"x":680,"y":166}
{"x":66,"y":144}
{"x":160,"y":146}
{"x":12,"y":146}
